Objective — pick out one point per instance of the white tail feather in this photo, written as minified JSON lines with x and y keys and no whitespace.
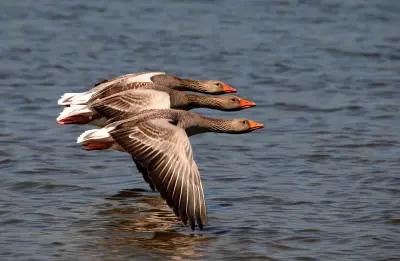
{"x":96,"y":135}
{"x":75,"y":110}
{"x":75,"y":98}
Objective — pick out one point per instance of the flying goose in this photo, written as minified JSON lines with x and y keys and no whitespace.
{"x":158,"y":141}
{"x":144,"y":80}
{"x":133,"y":101}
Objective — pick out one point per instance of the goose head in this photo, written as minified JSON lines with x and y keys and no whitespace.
{"x":233,"y":103}
{"x":215,"y":87}
{"x":237,"y":126}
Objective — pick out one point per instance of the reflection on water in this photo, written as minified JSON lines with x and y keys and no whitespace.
{"x":143,"y":221}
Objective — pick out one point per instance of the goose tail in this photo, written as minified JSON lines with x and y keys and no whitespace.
{"x":97,"y":139}
{"x":76,"y":114}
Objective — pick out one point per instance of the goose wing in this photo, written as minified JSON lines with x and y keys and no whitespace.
{"x":131,"y":102}
{"x":105,"y":88}
{"x":126,"y":78}
{"x":164,"y":151}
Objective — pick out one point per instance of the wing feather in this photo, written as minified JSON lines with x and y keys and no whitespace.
{"x":130,"y":102}
{"x":121,"y":83}
{"x":164,"y":151}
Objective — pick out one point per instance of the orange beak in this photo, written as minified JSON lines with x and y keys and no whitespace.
{"x":228,"y":89}
{"x":246,"y":103}
{"x":255,"y":125}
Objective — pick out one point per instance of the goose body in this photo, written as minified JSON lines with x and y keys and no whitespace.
{"x":143,"y":80}
{"x":100,"y":87}
{"x":158,"y":141}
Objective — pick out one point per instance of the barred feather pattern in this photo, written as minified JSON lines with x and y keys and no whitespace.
{"x":128,"y":102}
{"x":164,"y":151}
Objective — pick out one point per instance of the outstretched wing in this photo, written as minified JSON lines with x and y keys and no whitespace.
{"x":165,"y":151}
{"x":131,"y":102}
{"x":122,"y":83}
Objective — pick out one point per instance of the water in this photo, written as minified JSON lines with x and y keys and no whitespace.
{"x":320,"y":182}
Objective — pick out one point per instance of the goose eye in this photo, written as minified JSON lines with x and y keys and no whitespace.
{"x":218,"y":84}
{"x":233,"y":99}
{"x":244,"y":122}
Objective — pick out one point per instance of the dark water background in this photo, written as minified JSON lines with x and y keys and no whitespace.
{"x":321,"y":182}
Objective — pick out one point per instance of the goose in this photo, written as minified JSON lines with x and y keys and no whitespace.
{"x":134,"y":101}
{"x":158,"y":141}
{"x":144,"y":80}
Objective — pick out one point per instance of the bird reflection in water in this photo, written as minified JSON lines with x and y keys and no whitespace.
{"x":141,"y":221}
